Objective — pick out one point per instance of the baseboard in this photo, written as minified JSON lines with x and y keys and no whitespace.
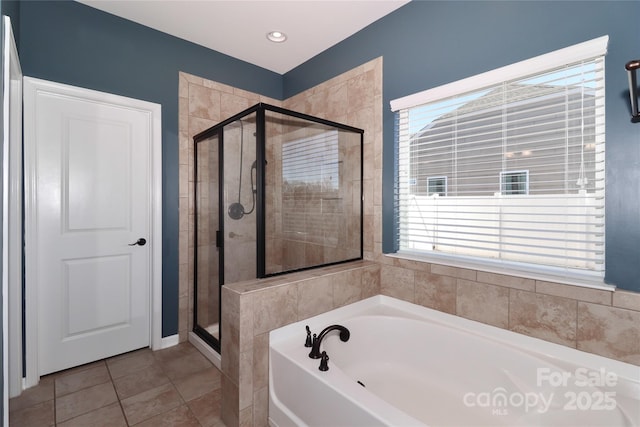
{"x":169,"y":341}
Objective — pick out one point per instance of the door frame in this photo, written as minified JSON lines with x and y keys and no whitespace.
{"x":12,"y":214}
{"x":31,"y":87}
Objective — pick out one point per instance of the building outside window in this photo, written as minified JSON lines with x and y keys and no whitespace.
{"x":517,"y":158}
{"x":514,"y":182}
{"x":437,"y":185}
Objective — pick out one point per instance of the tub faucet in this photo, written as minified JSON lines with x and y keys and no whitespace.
{"x":315,"y":348}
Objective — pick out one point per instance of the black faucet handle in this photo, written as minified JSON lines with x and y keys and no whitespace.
{"x":324,"y":366}
{"x":308,"y":342}
{"x":315,"y":348}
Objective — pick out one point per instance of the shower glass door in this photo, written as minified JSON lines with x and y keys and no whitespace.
{"x":207,"y":253}
{"x":225,"y":218}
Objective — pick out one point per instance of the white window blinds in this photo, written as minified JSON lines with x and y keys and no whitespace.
{"x":311,"y":181}
{"x":523,"y":162}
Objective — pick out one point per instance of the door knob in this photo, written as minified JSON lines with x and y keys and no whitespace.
{"x":139,"y":242}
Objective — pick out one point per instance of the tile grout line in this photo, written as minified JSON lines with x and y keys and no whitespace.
{"x":55,"y":397}
{"x":113,"y":384}
{"x":173,"y":385}
{"x":171,"y":381}
{"x":55,"y":406}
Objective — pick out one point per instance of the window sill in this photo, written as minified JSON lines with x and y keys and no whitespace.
{"x":510,"y":269}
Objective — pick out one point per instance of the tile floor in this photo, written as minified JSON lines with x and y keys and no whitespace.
{"x":176,"y":386}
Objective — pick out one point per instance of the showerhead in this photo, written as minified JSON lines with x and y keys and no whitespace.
{"x":236,"y":210}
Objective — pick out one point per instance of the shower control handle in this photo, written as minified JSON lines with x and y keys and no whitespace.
{"x":140,"y":242}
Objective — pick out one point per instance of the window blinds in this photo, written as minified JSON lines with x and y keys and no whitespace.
{"x":311,"y":181}
{"x":522,"y":161}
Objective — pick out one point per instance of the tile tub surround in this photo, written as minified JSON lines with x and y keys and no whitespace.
{"x":254,"y":308}
{"x":593,"y":320}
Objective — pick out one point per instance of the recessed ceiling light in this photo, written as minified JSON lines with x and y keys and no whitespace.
{"x":277,"y":36}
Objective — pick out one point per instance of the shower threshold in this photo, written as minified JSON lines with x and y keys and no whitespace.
{"x":206,"y":350}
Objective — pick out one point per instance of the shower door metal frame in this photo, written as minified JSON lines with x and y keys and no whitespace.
{"x":197,"y":329}
{"x":260,"y":151}
{"x":218,"y":130}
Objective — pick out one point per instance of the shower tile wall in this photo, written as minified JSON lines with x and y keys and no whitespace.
{"x":240,"y":235}
{"x":202,"y":104}
{"x":355,"y":98}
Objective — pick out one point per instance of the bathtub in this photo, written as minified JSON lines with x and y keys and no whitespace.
{"x":407,"y":365}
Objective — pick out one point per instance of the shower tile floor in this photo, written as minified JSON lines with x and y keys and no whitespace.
{"x":176,"y":386}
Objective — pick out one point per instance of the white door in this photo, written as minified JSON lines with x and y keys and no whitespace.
{"x":91,"y":203}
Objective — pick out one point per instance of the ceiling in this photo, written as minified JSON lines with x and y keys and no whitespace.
{"x":239,"y":28}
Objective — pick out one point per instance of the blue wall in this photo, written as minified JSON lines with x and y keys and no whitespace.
{"x":429,"y":43}
{"x":71,"y":43}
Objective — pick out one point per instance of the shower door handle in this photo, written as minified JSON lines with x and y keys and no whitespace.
{"x":140,"y":242}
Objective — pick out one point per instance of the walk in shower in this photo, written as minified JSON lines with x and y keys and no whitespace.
{"x":276,"y":191}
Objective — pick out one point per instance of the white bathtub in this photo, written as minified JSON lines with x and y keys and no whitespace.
{"x":421,"y":367}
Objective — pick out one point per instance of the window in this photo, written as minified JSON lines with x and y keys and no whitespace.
{"x":311,"y":181}
{"x":517,"y":155}
{"x":437,"y":185}
{"x":312,"y":161}
{"x":514,"y":182}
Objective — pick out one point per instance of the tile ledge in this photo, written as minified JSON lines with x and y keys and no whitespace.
{"x":256,"y":285}
{"x":505,"y":270}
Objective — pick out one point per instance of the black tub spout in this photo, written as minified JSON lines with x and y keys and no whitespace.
{"x":315,"y":349}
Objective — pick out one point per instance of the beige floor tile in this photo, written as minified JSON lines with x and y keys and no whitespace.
{"x":195,"y":385}
{"x":130,"y":354}
{"x":206,"y":408}
{"x":34,"y":395}
{"x":180,"y":416}
{"x":175,"y":352}
{"x":141,"y":381}
{"x":187,"y":365}
{"x":152,"y":387}
{"x":40,"y":414}
{"x":108,"y":416}
{"x":153,"y":402}
{"x":130,"y":363}
{"x":75,"y":381}
{"x":83,"y":401}
{"x":76,"y":369}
